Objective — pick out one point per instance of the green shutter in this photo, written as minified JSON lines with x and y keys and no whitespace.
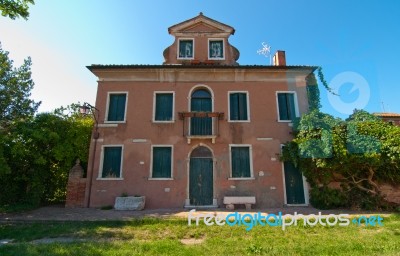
{"x":112,"y":162}
{"x":283,"y":113}
{"x":201,"y":125}
{"x":116,"y":108}
{"x":164,"y":107}
{"x":240,"y":162}
{"x":238,"y":106}
{"x":291,"y":107}
{"x":242,"y":97}
{"x":287,"y":110}
{"x":162,"y":162}
{"x":234,"y":106}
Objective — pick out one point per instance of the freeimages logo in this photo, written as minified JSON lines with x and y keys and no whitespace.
{"x":273,"y":220}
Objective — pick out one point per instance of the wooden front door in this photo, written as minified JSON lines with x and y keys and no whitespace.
{"x":294,"y":184}
{"x":201,"y":177}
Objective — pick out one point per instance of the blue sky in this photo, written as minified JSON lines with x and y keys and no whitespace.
{"x":356,"y":43}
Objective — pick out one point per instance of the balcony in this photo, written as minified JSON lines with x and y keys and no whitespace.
{"x":201,"y":125}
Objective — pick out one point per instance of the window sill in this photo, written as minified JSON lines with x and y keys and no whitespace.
{"x":216,"y":58}
{"x":160,"y":179}
{"x":250,"y":178}
{"x":107,"y":125}
{"x":238,"y":121}
{"x":285,"y":121}
{"x":115,"y":122}
{"x":163,"y":122}
{"x":185,"y":58}
{"x":110,"y":179}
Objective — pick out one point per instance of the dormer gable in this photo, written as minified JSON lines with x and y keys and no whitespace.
{"x":201,"y":24}
{"x":201,"y":40}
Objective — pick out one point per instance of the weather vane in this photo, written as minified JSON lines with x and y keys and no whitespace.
{"x":266,"y":51}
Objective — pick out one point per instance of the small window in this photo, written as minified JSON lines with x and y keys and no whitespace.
{"x":238,"y":108}
{"x":164,"y":107}
{"x":215,"y":49}
{"x":185,"y":49}
{"x":112,"y":157}
{"x":241,"y":162}
{"x":286,"y":106}
{"x":116,"y":107}
{"x":162,"y":162}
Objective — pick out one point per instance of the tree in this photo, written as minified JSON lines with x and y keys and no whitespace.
{"x":40,"y":152}
{"x":15,"y":105}
{"x":360,"y":153}
{"x":16,"y":85}
{"x":15,"y":8}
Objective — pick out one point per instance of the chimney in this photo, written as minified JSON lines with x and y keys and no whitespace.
{"x":279,"y":58}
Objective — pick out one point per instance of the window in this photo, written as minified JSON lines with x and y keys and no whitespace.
{"x":164,"y":107}
{"x":216,"y":49}
{"x":162,"y":162}
{"x":116,"y":107}
{"x":185,"y":49}
{"x":112,"y":159}
{"x":286,"y":106}
{"x":241,"y":164}
{"x":201,"y":101}
{"x":238,"y":106}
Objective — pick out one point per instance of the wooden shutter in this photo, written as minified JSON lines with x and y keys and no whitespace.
{"x":238,"y":106}
{"x":116,"y":108}
{"x":283,"y":110}
{"x":240,"y":162}
{"x":112,"y":162}
{"x":162,"y":162}
{"x":164,"y":107}
{"x":291,"y":106}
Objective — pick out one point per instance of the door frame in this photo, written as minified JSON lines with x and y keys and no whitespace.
{"x":187,"y":200}
{"x":305,"y":187}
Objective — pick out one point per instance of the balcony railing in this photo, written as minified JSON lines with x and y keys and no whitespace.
{"x":201,"y":125}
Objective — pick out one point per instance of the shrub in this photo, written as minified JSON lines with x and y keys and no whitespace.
{"x":327,"y":198}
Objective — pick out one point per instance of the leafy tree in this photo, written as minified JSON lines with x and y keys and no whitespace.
{"x":15,"y":106}
{"x":16,"y":85}
{"x":360,"y":153}
{"x":40,"y":154}
{"x":15,"y":8}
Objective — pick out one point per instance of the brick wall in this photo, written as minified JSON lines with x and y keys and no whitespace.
{"x":76,"y":187}
{"x":391,"y":193}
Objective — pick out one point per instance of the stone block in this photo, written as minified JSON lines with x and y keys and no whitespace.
{"x":129,"y":203}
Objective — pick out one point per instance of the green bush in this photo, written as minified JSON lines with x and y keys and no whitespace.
{"x":327,"y":198}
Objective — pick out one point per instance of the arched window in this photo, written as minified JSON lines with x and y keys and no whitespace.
{"x":201,"y":102}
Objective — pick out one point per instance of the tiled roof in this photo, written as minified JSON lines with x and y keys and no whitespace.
{"x":386,"y":114}
{"x":99,"y":66}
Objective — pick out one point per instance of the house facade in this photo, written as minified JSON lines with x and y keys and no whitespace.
{"x":393,"y":118}
{"x":197,"y":128}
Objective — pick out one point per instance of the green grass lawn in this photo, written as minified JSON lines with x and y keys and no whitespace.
{"x":152,"y":236}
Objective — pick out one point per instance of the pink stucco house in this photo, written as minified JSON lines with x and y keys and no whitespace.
{"x":199,"y":127}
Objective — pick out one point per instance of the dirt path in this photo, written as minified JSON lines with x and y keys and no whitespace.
{"x":60,"y":213}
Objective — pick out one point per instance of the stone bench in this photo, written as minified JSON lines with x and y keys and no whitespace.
{"x":230,"y":201}
{"x":129,"y":203}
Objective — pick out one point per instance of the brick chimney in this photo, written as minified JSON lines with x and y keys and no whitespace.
{"x":279,"y":58}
